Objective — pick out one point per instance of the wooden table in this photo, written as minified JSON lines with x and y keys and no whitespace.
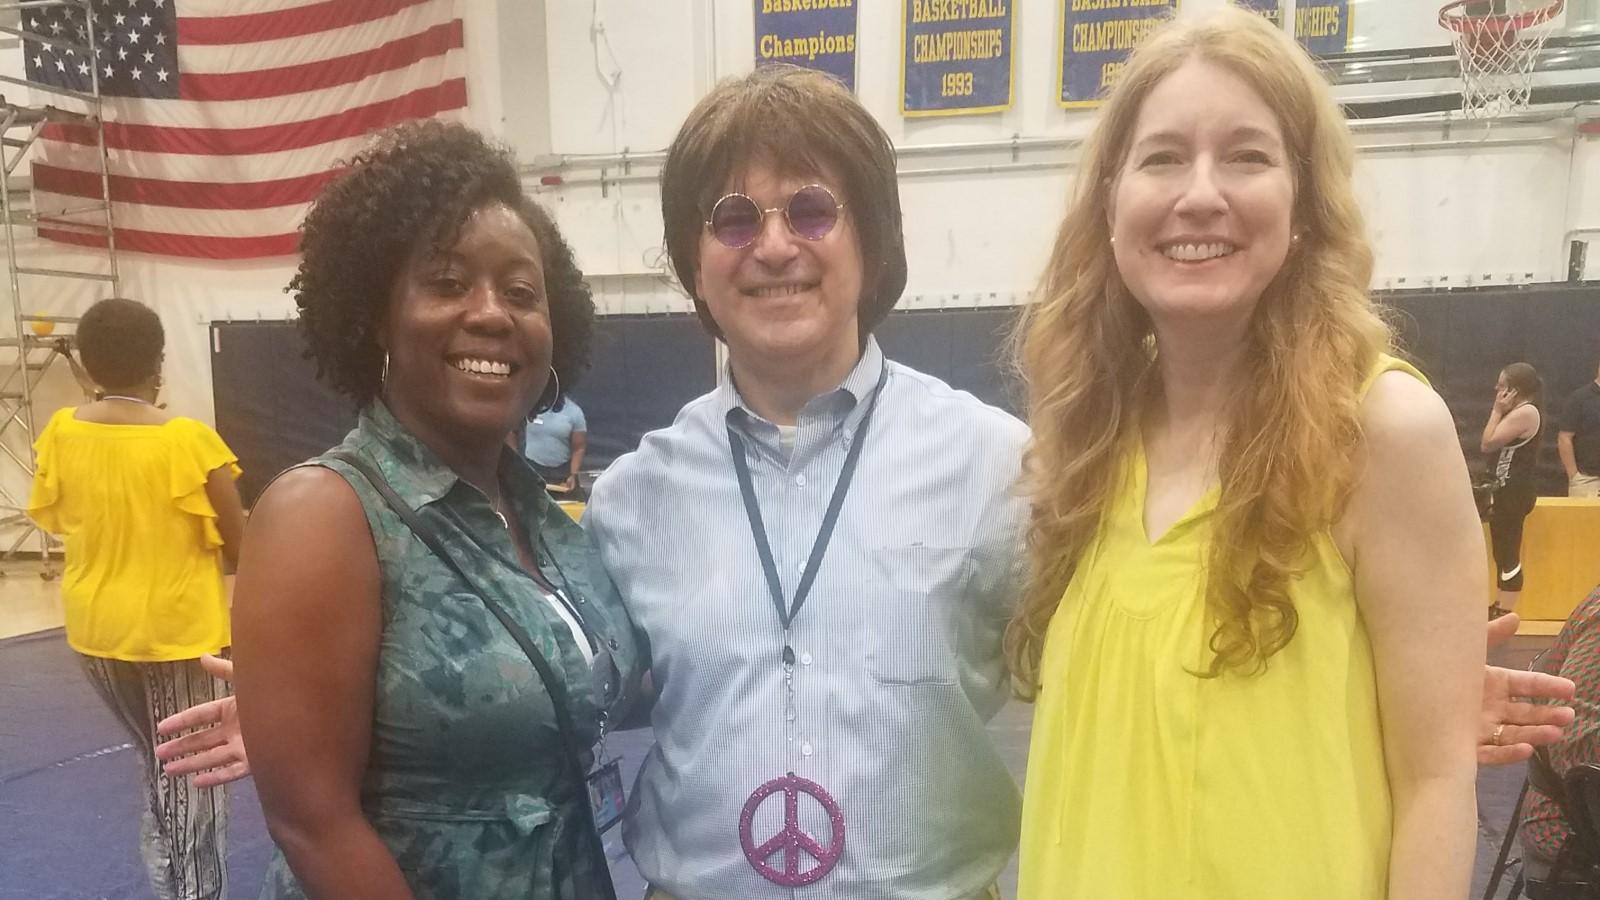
{"x":1560,"y":557}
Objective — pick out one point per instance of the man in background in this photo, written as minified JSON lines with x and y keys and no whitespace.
{"x":1578,"y":440}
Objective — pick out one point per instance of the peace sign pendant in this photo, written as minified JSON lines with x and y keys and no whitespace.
{"x":791,"y":840}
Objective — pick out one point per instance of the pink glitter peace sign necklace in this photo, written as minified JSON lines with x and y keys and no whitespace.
{"x":791,"y":840}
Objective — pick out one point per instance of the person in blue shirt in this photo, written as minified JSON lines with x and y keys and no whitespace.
{"x":554,"y":441}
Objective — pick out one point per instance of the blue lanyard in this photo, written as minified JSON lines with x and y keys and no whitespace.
{"x":752,"y":509}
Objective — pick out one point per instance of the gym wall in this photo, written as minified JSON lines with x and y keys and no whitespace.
{"x":274,"y":413}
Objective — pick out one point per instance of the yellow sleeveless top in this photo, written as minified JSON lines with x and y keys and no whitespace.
{"x":143,"y":579}
{"x":1146,"y":782}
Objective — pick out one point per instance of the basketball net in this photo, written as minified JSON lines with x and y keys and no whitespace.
{"x":1497,"y":52}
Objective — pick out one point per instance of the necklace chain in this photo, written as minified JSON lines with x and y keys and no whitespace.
{"x":128,"y":399}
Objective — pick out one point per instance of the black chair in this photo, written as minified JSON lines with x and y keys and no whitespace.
{"x":1576,"y":873}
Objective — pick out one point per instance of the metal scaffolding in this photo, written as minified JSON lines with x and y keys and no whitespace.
{"x":26,"y":357}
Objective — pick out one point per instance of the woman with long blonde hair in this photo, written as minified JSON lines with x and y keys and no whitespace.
{"x":1252,"y":626}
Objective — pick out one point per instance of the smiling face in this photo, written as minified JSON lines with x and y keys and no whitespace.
{"x":785,"y":298}
{"x":1202,"y":208}
{"x":467,"y":331}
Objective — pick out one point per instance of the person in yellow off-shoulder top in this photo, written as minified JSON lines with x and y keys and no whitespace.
{"x":1252,"y":626}
{"x":147,"y":506}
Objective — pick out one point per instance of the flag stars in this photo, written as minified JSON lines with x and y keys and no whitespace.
{"x":149,"y":57}
{"x":122,"y":53}
{"x":145,"y":20}
{"x":55,"y":27}
{"x":83,"y":68}
{"x":133,"y":37}
{"x":161,"y":37}
{"x":137,"y":73}
{"x":37,"y":62}
{"x":119,"y":19}
{"x":161,"y":74}
{"x":60,"y":66}
{"x":110,"y":71}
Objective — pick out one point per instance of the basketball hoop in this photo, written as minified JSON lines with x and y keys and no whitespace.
{"x":1497,"y":43}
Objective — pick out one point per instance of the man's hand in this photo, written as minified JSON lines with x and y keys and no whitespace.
{"x":215,"y":754}
{"x":1511,"y":726}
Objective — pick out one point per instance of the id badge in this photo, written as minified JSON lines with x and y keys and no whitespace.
{"x":606,"y":797}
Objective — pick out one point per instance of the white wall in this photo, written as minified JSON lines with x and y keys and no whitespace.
{"x":1448,"y":203}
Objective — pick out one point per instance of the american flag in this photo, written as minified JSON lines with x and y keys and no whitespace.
{"x":223,"y":118}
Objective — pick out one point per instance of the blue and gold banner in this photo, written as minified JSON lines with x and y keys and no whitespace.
{"x":816,"y":34}
{"x":956,"y":57}
{"x":1096,"y":38}
{"x":1321,"y":26}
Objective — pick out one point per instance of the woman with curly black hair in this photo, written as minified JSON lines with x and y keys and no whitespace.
{"x":426,"y":645}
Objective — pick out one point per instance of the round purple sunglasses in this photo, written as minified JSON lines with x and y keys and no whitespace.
{"x":736,"y":220}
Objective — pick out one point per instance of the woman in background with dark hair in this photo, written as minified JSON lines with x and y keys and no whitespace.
{"x":1512,"y":435}
{"x":147,"y":505}
{"x":555,"y":441}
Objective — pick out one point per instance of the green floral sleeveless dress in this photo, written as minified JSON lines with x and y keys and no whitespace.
{"x":465,"y":782}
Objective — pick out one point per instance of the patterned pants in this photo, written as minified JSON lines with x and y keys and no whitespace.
{"x":184,"y":835}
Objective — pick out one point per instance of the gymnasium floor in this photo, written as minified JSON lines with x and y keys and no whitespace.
{"x":69,"y":807}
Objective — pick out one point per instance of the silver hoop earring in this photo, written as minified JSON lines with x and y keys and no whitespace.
{"x":544,"y":407}
{"x":383,"y":376}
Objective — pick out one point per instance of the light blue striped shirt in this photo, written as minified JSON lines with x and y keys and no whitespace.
{"x":899,"y":664}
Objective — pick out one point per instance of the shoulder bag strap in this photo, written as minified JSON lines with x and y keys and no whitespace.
{"x":556,"y":687}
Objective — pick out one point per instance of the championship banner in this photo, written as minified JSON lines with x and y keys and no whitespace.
{"x":1321,"y":26}
{"x":1096,"y":38}
{"x":815,"y":34}
{"x":956,"y":57}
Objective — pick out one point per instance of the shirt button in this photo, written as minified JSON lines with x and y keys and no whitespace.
{"x":805,"y":749}
{"x":805,"y":659}
{"x":800,"y":481}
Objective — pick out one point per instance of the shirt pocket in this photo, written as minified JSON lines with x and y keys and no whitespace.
{"x":911,"y":614}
